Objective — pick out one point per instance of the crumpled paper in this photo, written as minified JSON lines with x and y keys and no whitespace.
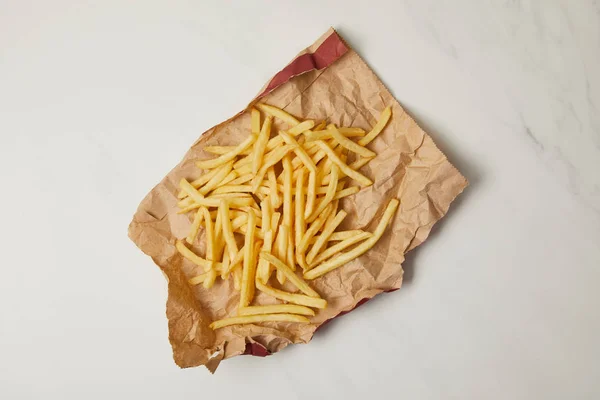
{"x":328,"y":80}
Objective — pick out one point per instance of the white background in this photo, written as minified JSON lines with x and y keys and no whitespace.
{"x":99,"y":99}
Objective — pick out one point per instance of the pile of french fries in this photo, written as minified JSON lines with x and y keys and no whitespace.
{"x":279,"y":192}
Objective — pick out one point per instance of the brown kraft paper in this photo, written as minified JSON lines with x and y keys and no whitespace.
{"x":326,"y":81}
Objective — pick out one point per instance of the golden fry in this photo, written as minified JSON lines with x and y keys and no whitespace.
{"x":311,"y":194}
{"x":278,"y":113}
{"x":193,"y":257}
{"x":248,"y":273}
{"x":251,"y":319}
{"x":262,"y":271}
{"x":198,"y":279}
{"x":349,"y":144}
{"x":210,"y":279}
{"x":267,"y":211}
{"x":228,"y":229}
{"x":295,"y":298}
{"x":274,"y":194}
{"x":383,"y":120}
{"x":191,"y":237}
{"x":288,"y":213}
{"x":302,"y":127}
{"x":218,"y":150}
{"x":299,"y":224}
{"x":255,"y":121}
{"x":237,"y":277}
{"x":261,"y":144}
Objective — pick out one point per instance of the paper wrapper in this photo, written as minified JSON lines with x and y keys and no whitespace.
{"x":327,"y":81}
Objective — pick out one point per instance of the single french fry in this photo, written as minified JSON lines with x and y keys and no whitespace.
{"x":252,"y":319}
{"x":232,"y":189}
{"x":276,"y":309}
{"x":328,"y":229}
{"x":311,"y":194}
{"x":357,"y":176}
{"x":234,"y":202}
{"x":383,"y":120}
{"x":237,"y":277}
{"x":245,"y":169}
{"x":210,"y":279}
{"x":255,"y":121}
{"x":281,"y":250}
{"x":267,"y":211}
{"x":343,"y":258}
{"x":248,"y":273}
{"x":191,"y":237}
{"x":326,"y":134}
{"x":225,"y":269}
{"x":194,"y":258}
{"x":288,"y":211}
{"x":320,"y":126}
{"x":210,"y":235}
{"x":360,"y":162}
{"x":338,"y":247}
{"x":289,"y":274}
{"x":189,"y":208}
{"x":302,"y":127}
{"x":340,"y":194}
{"x":261,"y":144}
{"x":331,"y":190}
{"x":228,"y":229}
{"x":275,"y":222}
{"x":241,"y":179}
{"x":257,"y":232}
{"x":291,"y":255}
{"x":278,"y":113}
{"x":295,"y":298}
{"x":198,"y":279}
{"x":274,"y":195}
{"x":340,"y":235}
{"x":239,"y":222}
{"x":219,"y":150}
{"x":225,"y":158}
{"x":191,"y":191}
{"x":299,"y":224}
{"x":262,"y":271}
{"x":349,"y":144}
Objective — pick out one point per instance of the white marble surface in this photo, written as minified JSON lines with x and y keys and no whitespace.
{"x":99,"y":99}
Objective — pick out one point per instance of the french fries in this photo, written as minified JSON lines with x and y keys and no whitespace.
{"x":359,"y":250}
{"x":280,"y":190}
